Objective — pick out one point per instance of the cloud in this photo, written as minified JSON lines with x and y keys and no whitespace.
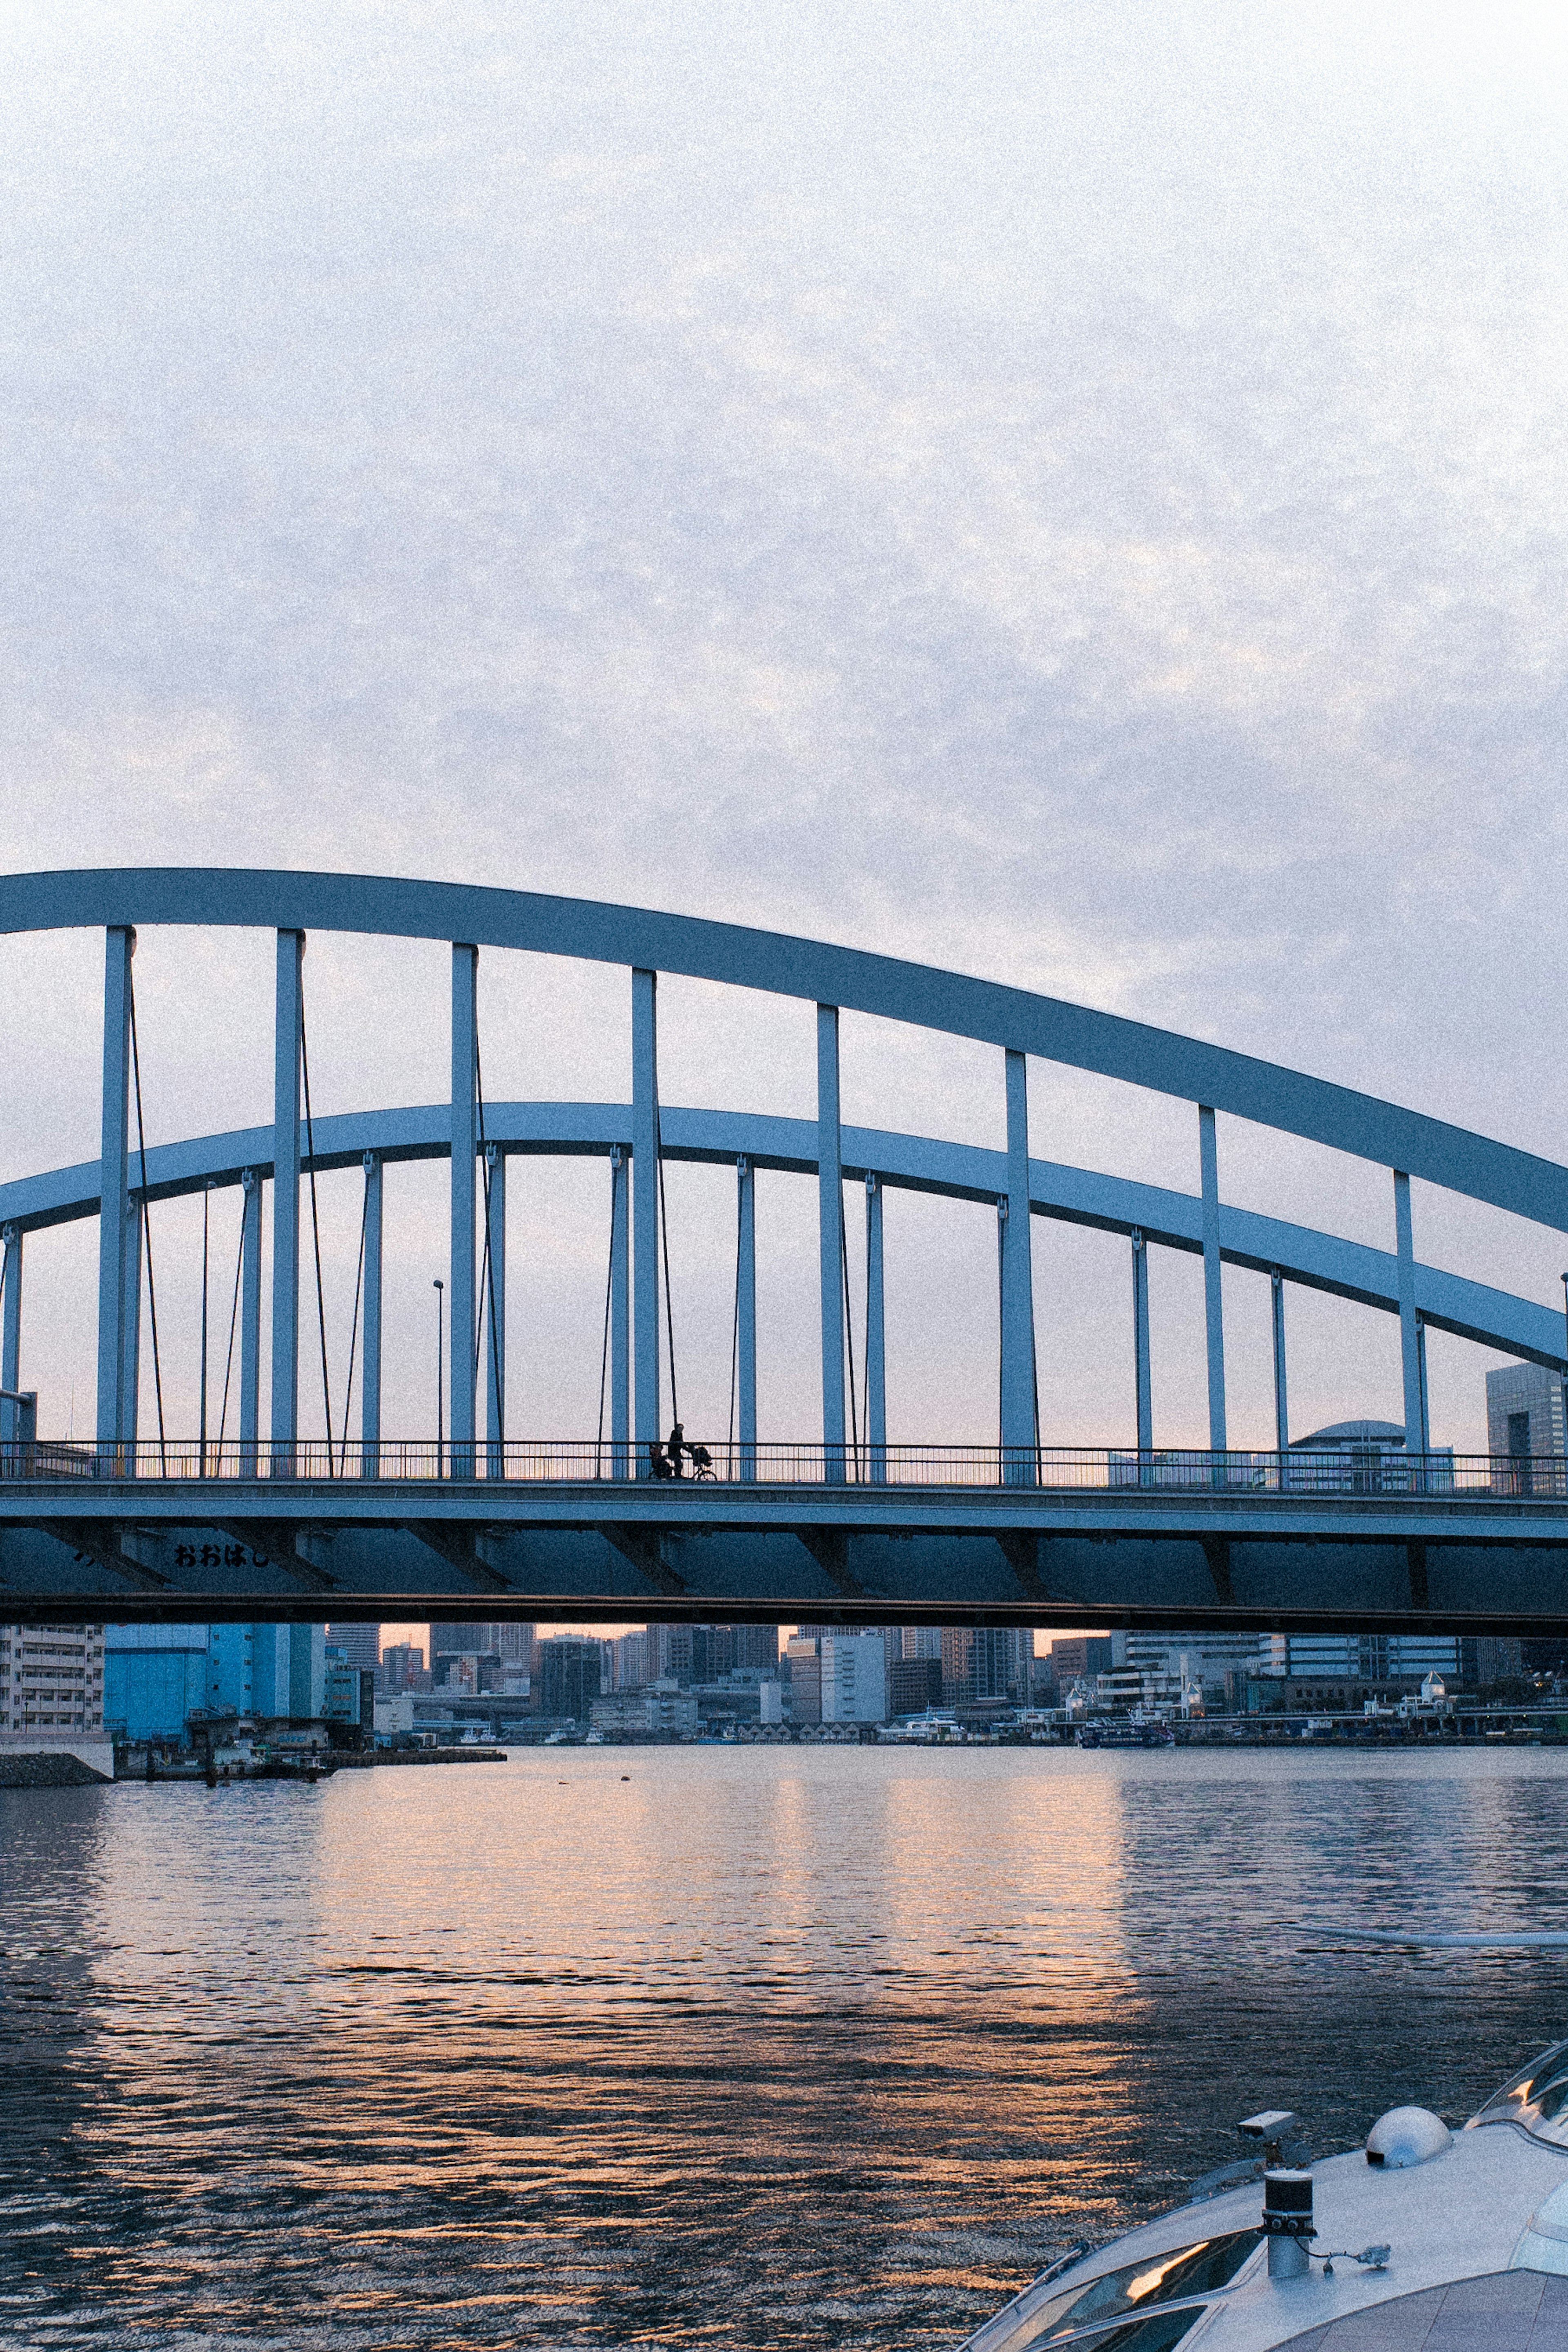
{"x":1068,"y":498}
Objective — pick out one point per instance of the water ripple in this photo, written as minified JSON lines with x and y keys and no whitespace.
{"x":782,"y":2045}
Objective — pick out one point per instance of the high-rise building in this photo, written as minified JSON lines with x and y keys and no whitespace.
{"x":1370,"y":1657}
{"x":1524,"y":1426}
{"x":1079,"y":1657}
{"x":1489,"y":1658}
{"x":756,"y":1649}
{"x":891,"y":1636}
{"x":463,"y":1670}
{"x":986,"y":1662}
{"x":920,"y":1641}
{"x":51,"y":1678}
{"x":348,"y":1694}
{"x":513,"y":1645}
{"x":1525,"y":1440}
{"x":361,"y":1644}
{"x":403,"y":1667}
{"x":635,"y":1658}
{"x":706,"y":1654}
{"x":475,"y":1671}
{"x":913,"y":1685}
{"x":569,"y":1670}
{"x":803,"y":1662}
{"x":712,"y":1652}
{"x":854,"y":1670}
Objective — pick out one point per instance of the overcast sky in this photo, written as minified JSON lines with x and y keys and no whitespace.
{"x":1072,"y":492}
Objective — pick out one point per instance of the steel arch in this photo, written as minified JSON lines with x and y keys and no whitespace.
{"x":777,"y":964}
{"x":960,"y":1171}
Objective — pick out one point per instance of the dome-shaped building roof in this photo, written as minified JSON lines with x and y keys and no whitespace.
{"x":1352,"y":1433}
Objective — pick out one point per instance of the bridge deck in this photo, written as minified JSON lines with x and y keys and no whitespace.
{"x":1235,"y":1555}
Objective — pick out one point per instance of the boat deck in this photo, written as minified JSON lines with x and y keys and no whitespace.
{"x":1507,"y":2311}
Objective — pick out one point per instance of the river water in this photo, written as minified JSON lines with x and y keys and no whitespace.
{"x":700,"y":2047}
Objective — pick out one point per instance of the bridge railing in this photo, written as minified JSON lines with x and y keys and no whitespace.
{"x":722,"y":1463}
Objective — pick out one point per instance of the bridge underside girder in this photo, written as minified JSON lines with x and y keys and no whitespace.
{"x":160,"y":1554}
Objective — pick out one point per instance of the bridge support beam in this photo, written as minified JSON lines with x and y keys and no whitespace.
{"x":1281,"y":1394}
{"x":1214,"y":1295}
{"x":1409,"y":1322}
{"x":492,"y":1308}
{"x":746,"y":1315}
{"x":620,"y":1319}
{"x":113,"y":1221}
{"x":875,"y":1336}
{"x":11,"y":1331}
{"x":1142,"y":1376}
{"x":830,"y":1223}
{"x":465,"y":1147}
{"x":369,"y":1383}
{"x":286,"y":1202}
{"x":645,"y":1211}
{"x":249,"y":1318}
{"x":1019,"y":1461}
{"x":131,"y":1377}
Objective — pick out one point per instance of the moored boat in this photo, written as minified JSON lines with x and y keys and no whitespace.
{"x":1422,"y":2238}
{"x":1134,"y":1730}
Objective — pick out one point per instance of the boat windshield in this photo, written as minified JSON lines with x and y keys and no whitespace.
{"x":1121,"y":2294}
{"x":1536,"y":2099}
{"x":1156,"y":2334}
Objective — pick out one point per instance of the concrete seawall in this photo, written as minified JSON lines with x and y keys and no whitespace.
{"x":30,"y":1761}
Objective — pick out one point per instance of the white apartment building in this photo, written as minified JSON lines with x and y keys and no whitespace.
{"x":51,"y":1678}
{"x":1205,"y":1658}
{"x":854,"y":1677}
{"x":659,"y":1710}
{"x":1305,"y":1657}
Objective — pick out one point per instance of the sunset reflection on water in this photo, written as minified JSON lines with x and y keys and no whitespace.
{"x":794,"y":2044}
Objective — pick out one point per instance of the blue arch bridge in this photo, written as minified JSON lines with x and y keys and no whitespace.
{"x":247,"y":1523}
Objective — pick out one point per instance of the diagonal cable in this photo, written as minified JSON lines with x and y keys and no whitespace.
{"x":353,"y":1326}
{"x":233,"y":1326}
{"x":669,"y":1306}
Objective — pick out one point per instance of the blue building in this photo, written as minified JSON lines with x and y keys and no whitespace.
{"x":156,"y":1677}
{"x":266,"y":1670}
{"x":152,"y":1678}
